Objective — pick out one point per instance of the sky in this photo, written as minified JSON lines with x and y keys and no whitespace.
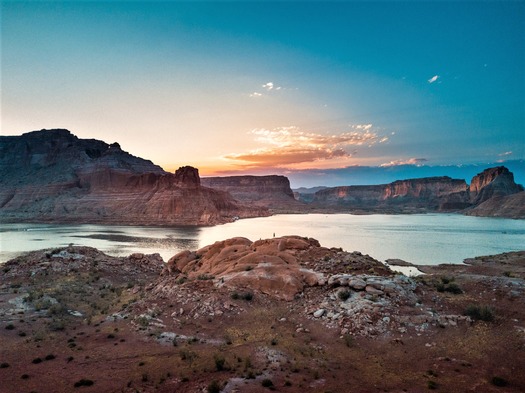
{"x":272,"y":87}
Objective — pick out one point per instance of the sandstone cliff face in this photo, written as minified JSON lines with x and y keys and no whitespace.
{"x":53,"y":176}
{"x":432,"y":193}
{"x":493,"y":182}
{"x":269,"y":191}
{"x":494,"y":185}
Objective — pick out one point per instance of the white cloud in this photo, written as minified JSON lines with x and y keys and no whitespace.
{"x":255,"y":94}
{"x":410,"y":161}
{"x":268,"y":86}
{"x":433,"y":79}
{"x":507,"y":153}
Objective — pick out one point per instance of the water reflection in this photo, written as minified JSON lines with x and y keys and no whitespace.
{"x":420,"y":239}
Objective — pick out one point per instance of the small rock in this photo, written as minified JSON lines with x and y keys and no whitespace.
{"x":319,"y":313}
{"x":373,"y":291}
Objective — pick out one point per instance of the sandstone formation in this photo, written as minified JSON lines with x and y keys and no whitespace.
{"x":491,"y":193}
{"x":435,"y":193}
{"x":270,"y":266}
{"x":53,"y":176}
{"x":492,"y":182}
{"x":272,"y":191}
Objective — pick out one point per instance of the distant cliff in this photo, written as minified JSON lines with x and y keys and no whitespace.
{"x":435,"y":193}
{"x":272,"y":191}
{"x":53,"y":176}
{"x":430,"y":194}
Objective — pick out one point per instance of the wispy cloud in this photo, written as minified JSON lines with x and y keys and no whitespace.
{"x":290,"y":145}
{"x":269,"y":87}
{"x":507,"y":153}
{"x":410,"y":161}
{"x":433,"y":79}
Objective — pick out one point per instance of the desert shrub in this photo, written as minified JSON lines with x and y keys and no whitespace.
{"x":349,"y":340}
{"x":343,"y":295}
{"x":4,"y":365}
{"x":204,"y":277}
{"x":267,"y":383}
{"x":57,"y":324}
{"x":453,"y":288}
{"x":248,"y":296}
{"x":447,"y":285}
{"x":499,"y":382}
{"x":214,"y":387}
{"x":83,"y":382}
{"x":480,"y":313}
{"x":145,"y":377}
{"x":36,"y":361}
{"x":25,"y":376}
{"x":50,"y":357}
{"x":432,"y":385}
{"x":9,"y":326}
{"x":235,"y":296}
{"x":219,"y":362}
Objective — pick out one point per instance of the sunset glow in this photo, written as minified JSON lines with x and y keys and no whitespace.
{"x":255,"y":87}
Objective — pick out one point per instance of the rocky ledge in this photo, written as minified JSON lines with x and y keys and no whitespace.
{"x":283,"y":313}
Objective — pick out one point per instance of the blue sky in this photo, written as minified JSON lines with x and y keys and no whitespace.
{"x":272,"y":87}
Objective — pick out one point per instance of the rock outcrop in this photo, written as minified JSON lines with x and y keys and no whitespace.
{"x":493,"y":182}
{"x":272,"y":191}
{"x":270,"y":266}
{"x":53,"y":176}
{"x":495,"y":186}
{"x":435,"y":193}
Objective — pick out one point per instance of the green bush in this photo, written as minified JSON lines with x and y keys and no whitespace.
{"x":480,"y":313}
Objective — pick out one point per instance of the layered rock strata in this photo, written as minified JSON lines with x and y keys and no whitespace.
{"x":270,"y":191}
{"x":53,"y":176}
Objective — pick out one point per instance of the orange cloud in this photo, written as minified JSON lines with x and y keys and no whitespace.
{"x":289,"y":146}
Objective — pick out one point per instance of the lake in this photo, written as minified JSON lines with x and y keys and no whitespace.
{"x":420,"y":239}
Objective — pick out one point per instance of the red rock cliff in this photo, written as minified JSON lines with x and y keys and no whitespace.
{"x":269,"y":191}
{"x":431,"y":193}
{"x":493,"y":182}
{"x":53,"y":176}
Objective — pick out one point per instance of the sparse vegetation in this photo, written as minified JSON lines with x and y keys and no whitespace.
{"x":499,"y":382}
{"x":447,"y":284}
{"x":267,"y":383}
{"x":83,"y":382}
{"x":480,"y":313}
{"x":343,"y":295}
{"x":214,"y":387}
{"x":219,"y":362}
{"x":432,"y":385}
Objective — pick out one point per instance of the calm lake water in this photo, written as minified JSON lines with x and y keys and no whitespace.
{"x":420,"y":239}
